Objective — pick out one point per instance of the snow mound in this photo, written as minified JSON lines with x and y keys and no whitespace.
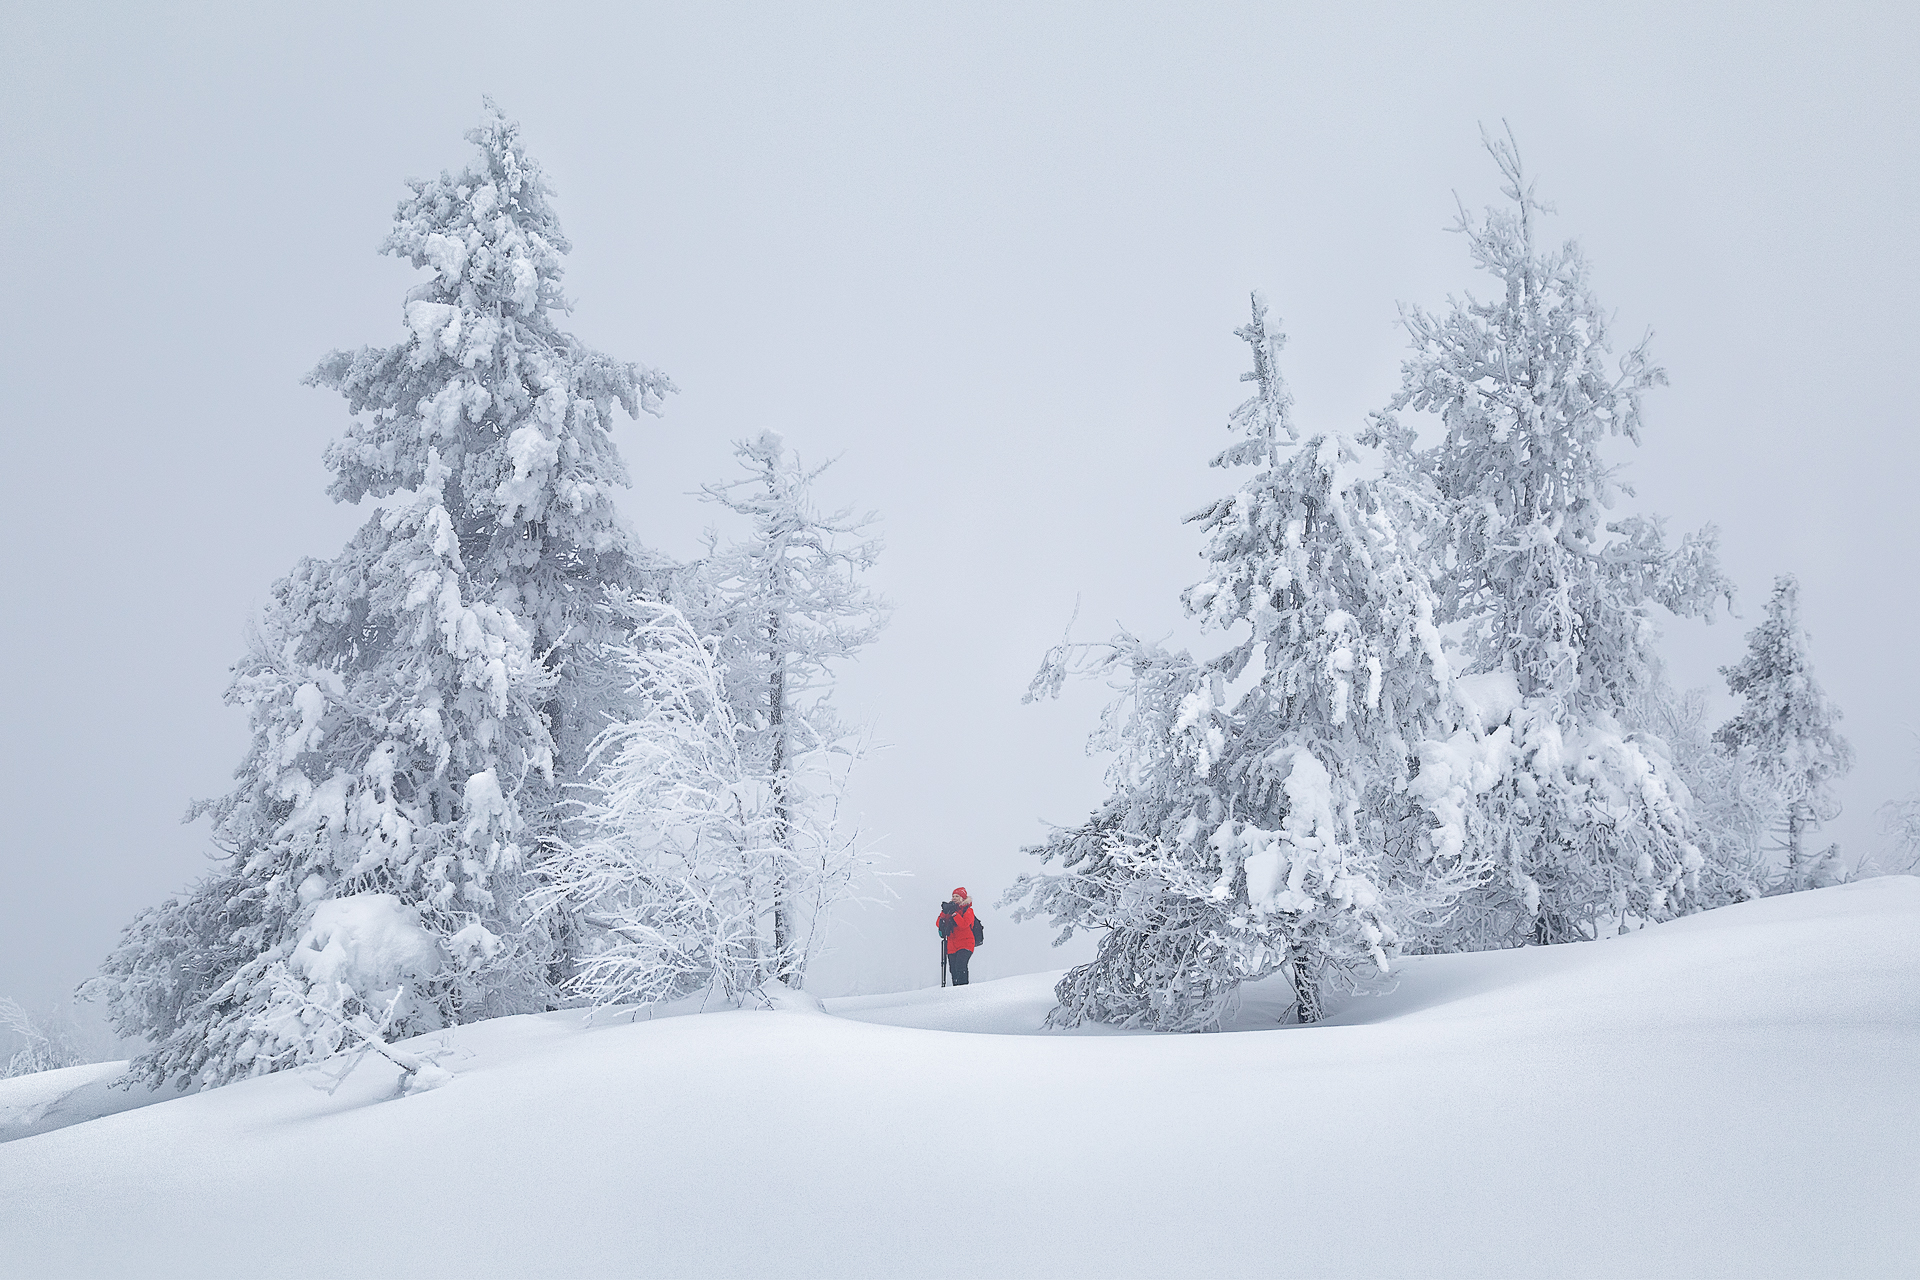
{"x":1731,"y":1094}
{"x":778,"y":997}
{"x":369,"y":941}
{"x":49,"y":1100}
{"x":1489,"y":698}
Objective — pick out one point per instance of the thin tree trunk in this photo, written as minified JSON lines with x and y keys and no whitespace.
{"x":783,"y":930}
{"x":1795,"y":828}
{"x":1306,"y":991}
{"x":1542,"y":931}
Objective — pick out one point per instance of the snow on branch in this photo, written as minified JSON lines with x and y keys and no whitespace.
{"x":339,"y":1029}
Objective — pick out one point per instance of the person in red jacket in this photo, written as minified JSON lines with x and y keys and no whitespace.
{"x":963,"y":932}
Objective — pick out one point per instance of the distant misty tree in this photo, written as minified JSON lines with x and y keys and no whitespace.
{"x":1256,"y":833}
{"x":1734,"y":805}
{"x":1901,"y":821}
{"x":418,"y":703}
{"x":785,"y":605}
{"x":1787,"y":729}
{"x":43,"y":1047}
{"x":1578,"y":810}
{"x":712,"y":844}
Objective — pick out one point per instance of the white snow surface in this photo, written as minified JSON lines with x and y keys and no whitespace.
{"x":1730,"y":1094}
{"x":1489,"y":698}
{"x":49,"y":1100}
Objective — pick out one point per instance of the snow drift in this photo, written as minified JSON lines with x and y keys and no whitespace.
{"x":1729,"y":1094}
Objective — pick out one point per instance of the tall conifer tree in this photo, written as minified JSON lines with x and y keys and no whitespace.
{"x":1255,"y":834}
{"x":416,"y":701}
{"x":1581,"y":814}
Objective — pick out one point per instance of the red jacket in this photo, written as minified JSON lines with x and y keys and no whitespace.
{"x":961,"y":929}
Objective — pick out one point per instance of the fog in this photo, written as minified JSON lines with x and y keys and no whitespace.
{"x":989,"y":257}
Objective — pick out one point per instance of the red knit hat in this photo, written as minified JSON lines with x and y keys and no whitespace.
{"x":959,"y":893}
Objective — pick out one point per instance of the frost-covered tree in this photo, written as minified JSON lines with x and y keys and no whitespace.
{"x":1901,"y":821}
{"x":674,"y":833}
{"x":1266,"y":830}
{"x":1788,"y":729}
{"x":43,"y":1046}
{"x":678,"y":850}
{"x":1581,"y":811}
{"x":784,"y":605}
{"x":416,"y":702}
{"x":1733,"y":804}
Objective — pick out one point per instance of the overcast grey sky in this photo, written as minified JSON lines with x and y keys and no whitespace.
{"x":992,"y":255}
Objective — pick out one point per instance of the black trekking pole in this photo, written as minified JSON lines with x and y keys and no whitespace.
{"x":943,"y":962}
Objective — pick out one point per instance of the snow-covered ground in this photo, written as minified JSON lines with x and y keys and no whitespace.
{"x":1732,"y":1094}
{"x":50,"y":1100}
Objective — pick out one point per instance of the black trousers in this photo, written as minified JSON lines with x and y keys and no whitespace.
{"x":957,"y":966}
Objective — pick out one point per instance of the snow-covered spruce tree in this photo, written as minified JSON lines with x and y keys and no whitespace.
{"x":1580,"y":809}
{"x":415,"y":701}
{"x":1248,"y":835}
{"x":1787,"y":729}
{"x":783,"y":604}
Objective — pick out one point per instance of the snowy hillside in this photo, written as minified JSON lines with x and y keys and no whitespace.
{"x":1730,"y":1094}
